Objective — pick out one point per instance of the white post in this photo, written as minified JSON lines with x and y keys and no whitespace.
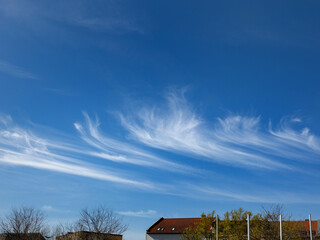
{"x":280,"y":220}
{"x":248,"y":219}
{"x":310,"y":226}
{"x":217,"y":227}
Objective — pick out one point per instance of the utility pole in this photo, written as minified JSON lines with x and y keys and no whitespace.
{"x":217,"y":227}
{"x":280,"y":220}
{"x":310,"y":227}
{"x":248,"y":220}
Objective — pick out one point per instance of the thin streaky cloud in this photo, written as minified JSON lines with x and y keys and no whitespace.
{"x":19,"y":147}
{"x":75,"y":15}
{"x":39,"y":162}
{"x":298,"y":120}
{"x":116,"y":26}
{"x":47,"y":207}
{"x":248,"y":133}
{"x":122,"y":152}
{"x":62,"y":92}
{"x":263,"y":195}
{"x":235,"y":140}
{"x":141,"y":213}
{"x":180,"y":130}
{"x":15,"y":71}
{"x":209,"y":192}
{"x":302,"y":139}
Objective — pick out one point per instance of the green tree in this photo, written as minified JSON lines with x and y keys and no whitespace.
{"x":266,"y":225}
{"x":234,"y":224}
{"x":201,"y":229}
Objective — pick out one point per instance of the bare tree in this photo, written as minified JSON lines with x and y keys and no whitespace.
{"x":64,"y":228}
{"x":24,"y":220}
{"x":100,"y":220}
{"x":266,"y":225}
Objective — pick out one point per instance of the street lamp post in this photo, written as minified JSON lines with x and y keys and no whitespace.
{"x":248,"y":220}
{"x":217,"y":227}
{"x":280,"y":220}
{"x":310,"y":227}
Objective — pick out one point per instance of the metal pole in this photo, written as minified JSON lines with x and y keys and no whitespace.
{"x":248,"y":219}
{"x":280,"y":220}
{"x":217,"y":227}
{"x":310,"y":226}
{"x":211,"y":235}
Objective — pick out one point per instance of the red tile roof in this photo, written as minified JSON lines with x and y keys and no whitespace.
{"x":178,"y":225}
{"x":305,"y":226}
{"x":172,"y":225}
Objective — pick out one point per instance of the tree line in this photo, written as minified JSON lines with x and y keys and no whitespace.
{"x":233,"y":226}
{"x":25,"y":220}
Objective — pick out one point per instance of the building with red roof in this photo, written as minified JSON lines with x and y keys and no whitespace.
{"x":173,"y":228}
{"x":169,"y":228}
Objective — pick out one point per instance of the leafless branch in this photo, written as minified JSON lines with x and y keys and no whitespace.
{"x":101,"y":220}
{"x":24,"y":220}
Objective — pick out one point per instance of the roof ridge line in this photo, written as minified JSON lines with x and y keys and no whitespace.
{"x":159,"y":220}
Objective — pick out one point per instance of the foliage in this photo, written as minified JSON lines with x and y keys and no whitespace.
{"x":201,"y":229}
{"x":267,"y":225}
{"x":234,"y":224}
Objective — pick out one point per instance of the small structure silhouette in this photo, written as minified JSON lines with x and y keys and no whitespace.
{"x":84,"y":235}
{"x":21,"y":236}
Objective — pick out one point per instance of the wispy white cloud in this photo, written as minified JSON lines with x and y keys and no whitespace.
{"x":236,"y":140}
{"x":114,"y":25}
{"x":210,"y":192}
{"x":15,"y":71}
{"x":20,"y":147}
{"x":62,"y":92}
{"x":283,"y":141}
{"x":260,"y":195}
{"x":141,"y":213}
{"x":302,"y":140}
{"x":296,"y":119}
{"x":107,"y":17}
{"x":122,"y":152}
{"x":47,"y":207}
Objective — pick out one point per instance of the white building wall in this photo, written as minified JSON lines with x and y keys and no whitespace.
{"x":163,"y":236}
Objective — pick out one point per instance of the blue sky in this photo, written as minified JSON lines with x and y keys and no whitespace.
{"x":159,"y":108}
